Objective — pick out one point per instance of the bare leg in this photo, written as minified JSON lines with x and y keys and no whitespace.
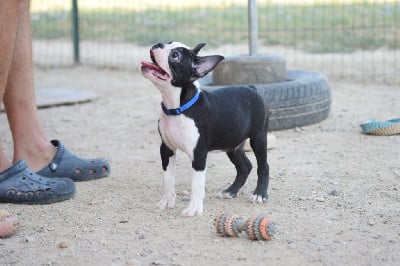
{"x":4,"y":161}
{"x":18,"y":184}
{"x":18,"y":95}
{"x":8,"y":28}
{"x":30,"y":142}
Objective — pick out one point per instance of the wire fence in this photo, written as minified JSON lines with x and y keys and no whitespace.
{"x":350,"y":39}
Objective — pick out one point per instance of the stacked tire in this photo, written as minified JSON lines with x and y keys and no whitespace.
{"x":303,"y":98}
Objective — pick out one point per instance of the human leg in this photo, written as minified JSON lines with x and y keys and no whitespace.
{"x":4,"y":161}
{"x":30,"y":142}
{"x":9,"y":18}
{"x":19,"y":184}
{"x":8,"y":28}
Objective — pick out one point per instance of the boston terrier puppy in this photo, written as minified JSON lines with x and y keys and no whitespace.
{"x":197,"y":121}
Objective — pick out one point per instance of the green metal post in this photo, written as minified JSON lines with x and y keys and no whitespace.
{"x":75,"y":31}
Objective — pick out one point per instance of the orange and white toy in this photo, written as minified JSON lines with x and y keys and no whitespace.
{"x":258,"y":227}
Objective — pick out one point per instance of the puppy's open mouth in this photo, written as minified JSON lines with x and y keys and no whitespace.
{"x":155,"y":69}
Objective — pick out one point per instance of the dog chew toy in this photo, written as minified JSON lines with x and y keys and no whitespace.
{"x":386,"y":128}
{"x":257,"y":227}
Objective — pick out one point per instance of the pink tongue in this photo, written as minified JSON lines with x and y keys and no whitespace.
{"x":151,"y":65}
{"x":146,"y":64}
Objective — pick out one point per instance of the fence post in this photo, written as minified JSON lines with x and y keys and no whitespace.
{"x":75,"y":31}
{"x":253,"y":27}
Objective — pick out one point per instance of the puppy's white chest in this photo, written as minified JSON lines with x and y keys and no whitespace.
{"x":179,"y":132}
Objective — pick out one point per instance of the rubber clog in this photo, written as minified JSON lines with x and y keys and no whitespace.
{"x":66,"y":164}
{"x":18,"y":184}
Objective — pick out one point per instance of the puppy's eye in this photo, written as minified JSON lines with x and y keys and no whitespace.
{"x":175,"y":56}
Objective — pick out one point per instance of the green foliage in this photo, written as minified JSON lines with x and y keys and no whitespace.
{"x":320,"y":28}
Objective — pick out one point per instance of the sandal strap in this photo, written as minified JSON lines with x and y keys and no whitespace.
{"x":58,"y":157}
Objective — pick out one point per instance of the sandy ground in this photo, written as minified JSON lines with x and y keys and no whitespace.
{"x":334,"y":192}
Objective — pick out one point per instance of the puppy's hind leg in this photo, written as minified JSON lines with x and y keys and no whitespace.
{"x":243,"y":168}
{"x":259,"y":145}
{"x":168,"y":158}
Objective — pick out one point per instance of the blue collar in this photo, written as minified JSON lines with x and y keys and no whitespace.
{"x":183,"y":108}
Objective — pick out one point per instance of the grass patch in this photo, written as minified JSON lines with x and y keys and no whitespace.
{"x":321,"y":28}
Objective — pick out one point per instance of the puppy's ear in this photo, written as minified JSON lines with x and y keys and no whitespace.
{"x":204,"y":64}
{"x":198,"y":47}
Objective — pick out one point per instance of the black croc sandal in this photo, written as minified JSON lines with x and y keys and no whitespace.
{"x":66,"y":164}
{"x":18,"y":184}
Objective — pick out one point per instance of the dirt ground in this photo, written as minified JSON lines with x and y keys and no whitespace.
{"x":334,"y":192}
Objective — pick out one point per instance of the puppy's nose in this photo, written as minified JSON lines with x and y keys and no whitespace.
{"x":158,"y":45}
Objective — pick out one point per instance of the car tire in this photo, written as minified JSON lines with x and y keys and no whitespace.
{"x":303,"y":99}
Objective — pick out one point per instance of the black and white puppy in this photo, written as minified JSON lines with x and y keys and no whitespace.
{"x":197,"y":122}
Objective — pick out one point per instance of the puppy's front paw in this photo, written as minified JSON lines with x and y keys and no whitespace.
{"x":258,"y":198}
{"x":167,"y":201}
{"x":194,"y":208}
